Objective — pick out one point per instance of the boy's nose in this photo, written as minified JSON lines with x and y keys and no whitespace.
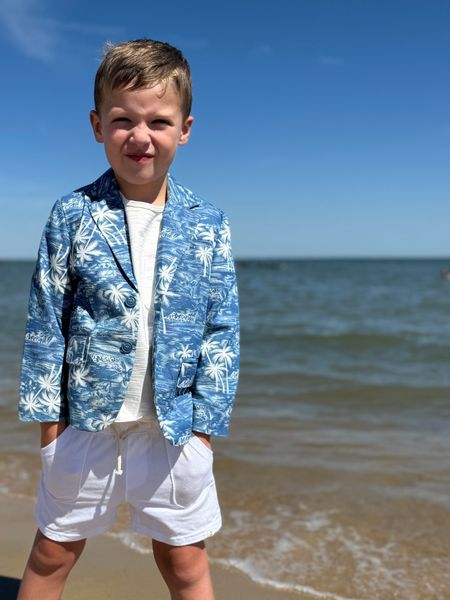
{"x":140,"y":135}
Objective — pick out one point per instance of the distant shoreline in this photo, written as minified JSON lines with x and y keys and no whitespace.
{"x":242,"y":259}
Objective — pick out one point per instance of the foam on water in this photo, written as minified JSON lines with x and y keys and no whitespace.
{"x":246,"y":567}
{"x":130,"y":539}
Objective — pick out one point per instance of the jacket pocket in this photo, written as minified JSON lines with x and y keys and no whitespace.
{"x":107,"y":353}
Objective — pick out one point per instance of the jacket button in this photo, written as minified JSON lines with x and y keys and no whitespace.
{"x":130,"y":302}
{"x":126,"y":348}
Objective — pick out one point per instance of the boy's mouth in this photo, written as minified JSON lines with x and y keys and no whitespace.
{"x":140,"y":157}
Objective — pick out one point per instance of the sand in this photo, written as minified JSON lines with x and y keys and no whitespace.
{"x":107,"y":570}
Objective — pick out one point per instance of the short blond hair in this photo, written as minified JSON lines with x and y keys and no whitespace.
{"x":143,"y":63}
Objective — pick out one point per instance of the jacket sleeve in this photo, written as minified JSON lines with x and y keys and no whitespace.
{"x":42,"y":379}
{"x":215,"y":382}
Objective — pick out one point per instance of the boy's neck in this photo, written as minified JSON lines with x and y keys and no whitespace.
{"x":155,"y":193}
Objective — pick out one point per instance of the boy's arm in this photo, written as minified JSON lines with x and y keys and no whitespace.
{"x":42,"y":382}
{"x":50,"y":431}
{"x":215,"y":382}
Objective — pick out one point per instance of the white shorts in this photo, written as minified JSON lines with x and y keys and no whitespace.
{"x":86,"y":475}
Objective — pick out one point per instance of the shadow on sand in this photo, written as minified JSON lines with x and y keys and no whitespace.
{"x":9,"y":587}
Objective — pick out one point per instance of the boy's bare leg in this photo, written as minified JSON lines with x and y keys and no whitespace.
{"x":185,"y":570}
{"x":47,"y":568}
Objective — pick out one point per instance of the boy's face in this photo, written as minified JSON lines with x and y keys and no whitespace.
{"x":141,"y":130}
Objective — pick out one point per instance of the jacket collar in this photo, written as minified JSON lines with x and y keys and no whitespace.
{"x":177,"y":226}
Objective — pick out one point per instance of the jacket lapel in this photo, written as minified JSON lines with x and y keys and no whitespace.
{"x":177,"y":230}
{"x":108,"y":212}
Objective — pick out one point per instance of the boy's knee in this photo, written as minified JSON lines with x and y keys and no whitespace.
{"x":49,"y":557}
{"x":187,"y":573}
{"x":184,"y":566}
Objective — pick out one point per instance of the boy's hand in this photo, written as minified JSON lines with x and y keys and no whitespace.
{"x":205,"y":438}
{"x":50,"y":431}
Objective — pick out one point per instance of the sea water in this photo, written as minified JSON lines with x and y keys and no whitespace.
{"x":335,"y":478}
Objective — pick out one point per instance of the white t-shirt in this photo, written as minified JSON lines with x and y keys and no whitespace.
{"x":144,"y":222}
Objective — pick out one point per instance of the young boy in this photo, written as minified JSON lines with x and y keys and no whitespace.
{"x":131,"y":350}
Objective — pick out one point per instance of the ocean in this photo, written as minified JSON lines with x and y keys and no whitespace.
{"x":335,"y":478}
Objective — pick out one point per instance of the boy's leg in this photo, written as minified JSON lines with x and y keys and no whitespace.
{"x":48,"y":566}
{"x":185,"y":570}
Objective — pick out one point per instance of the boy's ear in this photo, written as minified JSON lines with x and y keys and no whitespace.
{"x":96,"y":126}
{"x":186,"y":131}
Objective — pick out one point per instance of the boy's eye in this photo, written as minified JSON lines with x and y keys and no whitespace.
{"x":121,"y":120}
{"x":160,"y":122}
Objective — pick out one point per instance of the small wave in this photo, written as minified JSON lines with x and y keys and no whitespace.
{"x":245,"y":567}
{"x":130,"y":540}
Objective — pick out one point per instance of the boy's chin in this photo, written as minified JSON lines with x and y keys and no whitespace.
{"x":140,"y":185}
{"x":143,"y":178}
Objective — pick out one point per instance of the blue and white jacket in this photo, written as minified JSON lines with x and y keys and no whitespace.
{"x":82,"y":322}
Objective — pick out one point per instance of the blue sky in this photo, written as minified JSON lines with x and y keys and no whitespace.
{"x":322,"y":126}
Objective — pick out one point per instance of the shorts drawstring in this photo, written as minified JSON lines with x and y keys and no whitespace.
{"x":121,"y":436}
{"x":119,"y":469}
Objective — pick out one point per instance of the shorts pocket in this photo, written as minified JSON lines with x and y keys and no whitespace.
{"x":47,"y":447}
{"x":191,"y":471}
{"x":201,"y":447}
{"x":63,"y":463}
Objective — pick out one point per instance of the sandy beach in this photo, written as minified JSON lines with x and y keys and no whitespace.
{"x":107,"y":569}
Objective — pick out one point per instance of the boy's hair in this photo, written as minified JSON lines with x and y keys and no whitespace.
{"x":143,"y":63}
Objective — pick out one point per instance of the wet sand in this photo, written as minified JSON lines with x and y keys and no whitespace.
{"x":107,"y":570}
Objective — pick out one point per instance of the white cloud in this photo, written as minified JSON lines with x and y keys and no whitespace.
{"x":25,"y":29}
{"x":38,"y":36}
{"x":333,"y":61}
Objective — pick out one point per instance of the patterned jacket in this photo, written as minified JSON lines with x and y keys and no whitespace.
{"x":82,"y":322}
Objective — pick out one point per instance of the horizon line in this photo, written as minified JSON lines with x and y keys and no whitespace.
{"x":290,"y":258}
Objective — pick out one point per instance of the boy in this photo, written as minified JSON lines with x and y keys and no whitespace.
{"x":131,"y":350}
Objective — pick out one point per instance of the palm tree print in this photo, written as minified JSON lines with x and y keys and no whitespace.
{"x":58,"y":260}
{"x":204,"y":254}
{"x":51,"y":402}
{"x":131,"y":319}
{"x":59,"y":282}
{"x":108,"y":229}
{"x":224,"y":249}
{"x":225,"y":233}
{"x":43,"y":280}
{"x":163,"y":294}
{"x":206,"y":347}
{"x":205,"y":233}
{"x":116,"y":293}
{"x":30,"y":403}
{"x":224,"y":355}
{"x":80,"y":376}
{"x":215,"y":371}
{"x":50,"y":382}
{"x":87,"y":252}
{"x":165,"y":273}
{"x":103,"y":421}
{"x":82,"y":235}
{"x":107,"y":221}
